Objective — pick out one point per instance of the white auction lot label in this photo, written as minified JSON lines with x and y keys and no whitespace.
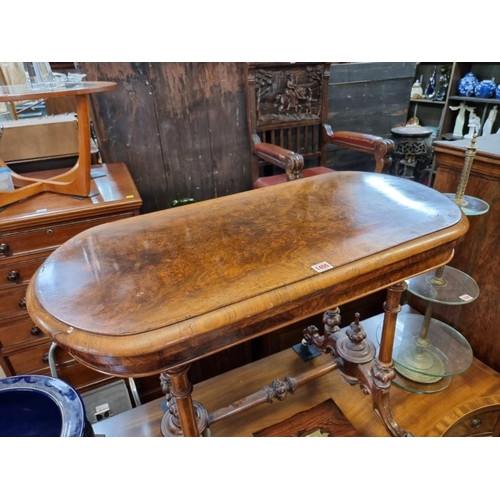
{"x":322,"y":267}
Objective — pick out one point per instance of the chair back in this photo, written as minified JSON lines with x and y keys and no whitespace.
{"x":286,"y":105}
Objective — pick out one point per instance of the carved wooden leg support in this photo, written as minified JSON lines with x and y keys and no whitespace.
{"x":183,"y":418}
{"x":277,"y":390}
{"x":382,"y":369}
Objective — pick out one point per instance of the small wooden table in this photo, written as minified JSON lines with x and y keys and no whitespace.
{"x":151,"y":294}
{"x":77,"y":180}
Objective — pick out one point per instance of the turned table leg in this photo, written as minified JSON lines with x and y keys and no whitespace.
{"x":392,"y":307}
{"x":382,"y":369}
{"x":184,"y":417}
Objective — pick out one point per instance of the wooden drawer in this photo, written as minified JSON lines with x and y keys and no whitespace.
{"x":35,"y":359}
{"x":15,"y":334}
{"x":482,"y":422}
{"x":12,"y":304}
{"x":14,"y":274}
{"x":48,"y":238}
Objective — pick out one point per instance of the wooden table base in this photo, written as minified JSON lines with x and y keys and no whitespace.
{"x":420,"y":414}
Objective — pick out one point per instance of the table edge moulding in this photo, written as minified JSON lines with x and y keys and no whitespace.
{"x":154,"y":293}
{"x":75,"y":181}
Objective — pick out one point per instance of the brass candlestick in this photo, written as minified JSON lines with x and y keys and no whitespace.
{"x":470,"y":153}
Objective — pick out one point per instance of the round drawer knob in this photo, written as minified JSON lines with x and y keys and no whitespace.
{"x":45,"y":357}
{"x":22,"y":303}
{"x":4,"y":249}
{"x":35,"y":331}
{"x":13,"y":276}
{"x":476,"y":423}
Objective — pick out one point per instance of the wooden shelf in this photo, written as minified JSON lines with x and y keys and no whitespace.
{"x":427,"y":101}
{"x":474,"y":99}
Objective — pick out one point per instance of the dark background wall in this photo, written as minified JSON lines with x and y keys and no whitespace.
{"x":182,"y":129}
{"x":370,"y":98}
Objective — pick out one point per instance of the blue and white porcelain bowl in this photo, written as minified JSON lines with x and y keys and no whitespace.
{"x":40,"y":406}
{"x":485,"y":89}
{"x":467,"y":84}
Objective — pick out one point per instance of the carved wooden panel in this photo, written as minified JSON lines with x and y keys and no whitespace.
{"x":288,"y":94}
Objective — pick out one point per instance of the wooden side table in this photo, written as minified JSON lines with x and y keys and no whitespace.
{"x":154,"y":293}
{"x":77,"y":180}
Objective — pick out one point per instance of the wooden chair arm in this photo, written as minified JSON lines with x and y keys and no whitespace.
{"x":291,"y":162}
{"x":382,"y":149}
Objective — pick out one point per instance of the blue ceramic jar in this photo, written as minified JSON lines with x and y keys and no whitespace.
{"x":485,"y":89}
{"x":497,"y":93}
{"x":467,"y":84}
{"x":40,"y":406}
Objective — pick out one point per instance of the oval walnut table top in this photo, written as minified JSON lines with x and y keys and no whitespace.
{"x":138,"y":296}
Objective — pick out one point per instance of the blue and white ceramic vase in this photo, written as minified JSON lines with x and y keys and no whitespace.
{"x":485,"y":89}
{"x":467,"y":84}
{"x":497,"y":92}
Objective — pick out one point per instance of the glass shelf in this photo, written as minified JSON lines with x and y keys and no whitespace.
{"x":443,"y":353}
{"x":457,"y":287}
{"x":421,"y":388}
{"x":473,"y":206}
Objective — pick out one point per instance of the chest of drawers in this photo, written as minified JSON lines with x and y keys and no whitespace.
{"x":30,"y":230}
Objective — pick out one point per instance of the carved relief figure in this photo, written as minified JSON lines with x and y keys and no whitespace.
{"x":293,"y":97}
{"x":288,"y":94}
{"x":263,"y":82}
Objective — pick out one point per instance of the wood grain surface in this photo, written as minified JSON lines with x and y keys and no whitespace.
{"x":160,"y":290}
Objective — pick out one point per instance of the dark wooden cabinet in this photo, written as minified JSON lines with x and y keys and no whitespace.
{"x":30,"y":230}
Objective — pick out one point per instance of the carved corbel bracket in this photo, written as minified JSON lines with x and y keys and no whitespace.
{"x":325,"y":343}
{"x":375,"y":379}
